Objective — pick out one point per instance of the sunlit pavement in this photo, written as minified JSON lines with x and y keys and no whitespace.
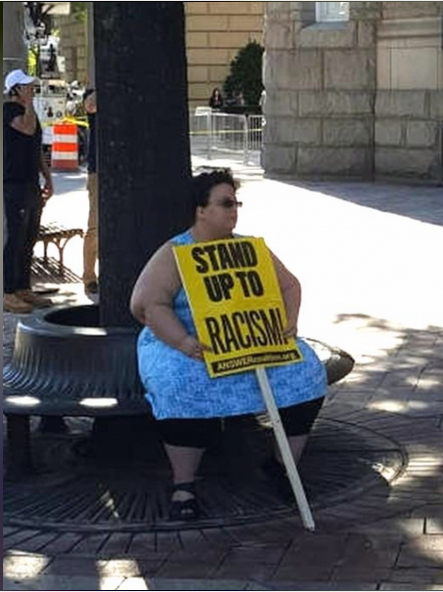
{"x":369,"y":260}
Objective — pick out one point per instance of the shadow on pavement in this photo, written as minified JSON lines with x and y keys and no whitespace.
{"x":416,"y":202}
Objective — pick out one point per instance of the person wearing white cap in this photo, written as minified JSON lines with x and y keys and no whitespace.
{"x":23,"y":162}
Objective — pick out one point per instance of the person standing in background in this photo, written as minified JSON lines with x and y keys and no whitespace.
{"x":90,"y":245}
{"x":24,"y":199}
{"x":216,"y":99}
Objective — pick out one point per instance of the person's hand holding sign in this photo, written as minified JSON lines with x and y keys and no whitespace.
{"x":193,"y":348}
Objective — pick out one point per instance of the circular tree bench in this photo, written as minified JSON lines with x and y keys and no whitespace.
{"x":65,"y":364}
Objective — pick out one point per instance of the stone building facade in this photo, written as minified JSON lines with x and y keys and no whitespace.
{"x":73,"y":47}
{"x":359,"y":98}
{"x":215,"y":31}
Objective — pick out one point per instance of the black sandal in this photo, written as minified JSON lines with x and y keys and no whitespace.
{"x":184,"y":510}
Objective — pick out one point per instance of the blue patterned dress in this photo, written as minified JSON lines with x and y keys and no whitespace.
{"x":178,"y":386}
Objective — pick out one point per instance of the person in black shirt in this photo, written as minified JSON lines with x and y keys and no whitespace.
{"x":216,"y":99}
{"x":90,"y":245}
{"x":23,"y":162}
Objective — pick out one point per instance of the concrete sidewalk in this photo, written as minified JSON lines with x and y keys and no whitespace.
{"x":369,"y":260}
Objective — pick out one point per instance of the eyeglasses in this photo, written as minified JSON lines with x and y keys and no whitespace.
{"x":230,"y":203}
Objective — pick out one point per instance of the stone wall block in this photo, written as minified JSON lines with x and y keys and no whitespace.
{"x":230,"y":39}
{"x":436,"y":104}
{"x":217,"y":73}
{"x":388,"y":133}
{"x":277,"y":104}
{"x":365,"y":10}
{"x":306,"y":131}
{"x":279,"y":35}
{"x":286,"y":12}
{"x":202,"y":57}
{"x":256,"y":7}
{"x":196,"y":8}
{"x":273,"y":8}
{"x":335,"y":103}
{"x":194,"y":39}
{"x":287,"y":130}
{"x":350,"y":103}
{"x":281,"y":103}
{"x":270,"y":65}
{"x":334,"y":161}
{"x":207,"y":23}
{"x":198,"y":74}
{"x":200,"y":92}
{"x":312,"y":104}
{"x":366,"y":34}
{"x":279,"y":159}
{"x":347,"y":132}
{"x":283,"y":17}
{"x":398,"y":10}
{"x":228,"y":7}
{"x":401,"y":104}
{"x":338,"y":35}
{"x":295,"y":104}
{"x":247,"y":23}
{"x":347,"y":69}
{"x":296,"y":70}
{"x":404,"y":163}
{"x":422,"y":133}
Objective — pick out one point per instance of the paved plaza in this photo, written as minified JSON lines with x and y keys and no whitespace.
{"x":369,"y":260}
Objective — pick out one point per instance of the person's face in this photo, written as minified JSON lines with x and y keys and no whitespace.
{"x":221,"y":212}
{"x":25,"y":91}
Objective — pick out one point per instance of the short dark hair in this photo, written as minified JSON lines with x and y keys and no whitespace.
{"x":202,"y":185}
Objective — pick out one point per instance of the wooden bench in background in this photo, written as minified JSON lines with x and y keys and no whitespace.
{"x":58,"y":235}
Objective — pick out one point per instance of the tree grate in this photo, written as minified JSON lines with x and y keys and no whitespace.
{"x":74,"y":491}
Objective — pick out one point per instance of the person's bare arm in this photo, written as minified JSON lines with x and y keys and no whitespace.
{"x":151,"y":302}
{"x":48,"y":188}
{"x":26,"y":123}
{"x":91,"y":103}
{"x":291,"y":292}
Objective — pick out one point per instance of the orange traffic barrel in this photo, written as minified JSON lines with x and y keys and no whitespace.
{"x":64,"y":153}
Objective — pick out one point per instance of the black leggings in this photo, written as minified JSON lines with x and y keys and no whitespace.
{"x":202,"y":433}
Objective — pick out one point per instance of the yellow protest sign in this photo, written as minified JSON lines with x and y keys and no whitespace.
{"x":236,"y":304}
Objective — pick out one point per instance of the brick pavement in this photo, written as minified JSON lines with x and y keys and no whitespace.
{"x":388,"y":537}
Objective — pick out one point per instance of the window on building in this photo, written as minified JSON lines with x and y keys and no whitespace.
{"x":327,"y":12}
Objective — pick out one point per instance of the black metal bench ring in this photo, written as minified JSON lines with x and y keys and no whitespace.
{"x":65,"y":364}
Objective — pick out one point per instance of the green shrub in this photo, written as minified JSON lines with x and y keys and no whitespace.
{"x":246,"y":74}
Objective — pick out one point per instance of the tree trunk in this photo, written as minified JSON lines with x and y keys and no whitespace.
{"x":143,"y":141}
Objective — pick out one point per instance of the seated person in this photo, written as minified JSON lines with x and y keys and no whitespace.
{"x":187,"y":403}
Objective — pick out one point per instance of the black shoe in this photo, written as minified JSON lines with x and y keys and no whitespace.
{"x":184,"y":510}
{"x":91,"y":287}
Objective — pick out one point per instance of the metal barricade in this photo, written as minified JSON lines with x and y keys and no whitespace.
{"x":200,"y":126}
{"x":222,"y":135}
{"x":255,"y":132}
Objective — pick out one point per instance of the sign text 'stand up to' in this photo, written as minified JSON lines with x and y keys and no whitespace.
{"x":237,"y":305}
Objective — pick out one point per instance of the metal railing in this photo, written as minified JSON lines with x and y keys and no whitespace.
{"x":222,"y":135}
